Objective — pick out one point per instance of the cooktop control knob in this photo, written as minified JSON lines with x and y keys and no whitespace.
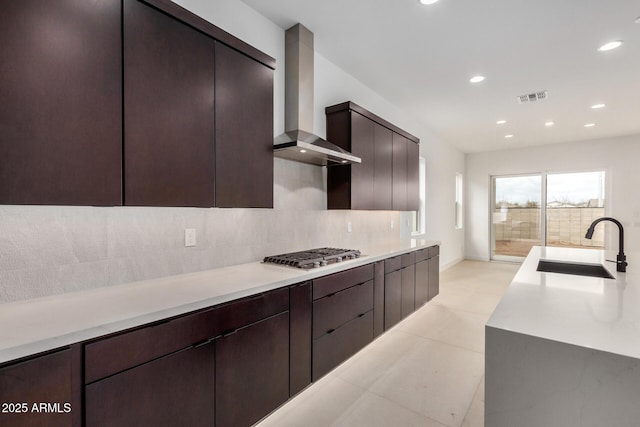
{"x":323,"y":263}
{"x":316,"y":264}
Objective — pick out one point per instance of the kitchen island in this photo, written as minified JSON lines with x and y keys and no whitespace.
{"x":564,"y":350}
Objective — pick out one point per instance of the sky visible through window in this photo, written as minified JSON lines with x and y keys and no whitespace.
{"x":571,"y":188}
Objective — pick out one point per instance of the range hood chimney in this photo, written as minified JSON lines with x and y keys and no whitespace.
{"x":298,"y":142}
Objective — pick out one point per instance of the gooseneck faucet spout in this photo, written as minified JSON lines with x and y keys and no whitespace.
{"x":621,"y":260}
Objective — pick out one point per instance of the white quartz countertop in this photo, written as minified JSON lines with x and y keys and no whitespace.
{"x":42,"y":324}
{"x":603,"y":314}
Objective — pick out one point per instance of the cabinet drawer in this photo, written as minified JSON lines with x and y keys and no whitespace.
{"x":330,"y":312}
{"x":433,"y":251}
{"x":237,"y":314}
{"x":408,"y":259}
{"x":327,"y":285}
{"x":170,"y":391}
{"x":332,"y":349}
{"x":422,"y":254}
{"x":392,"y":264}
{"x":118,"y":353}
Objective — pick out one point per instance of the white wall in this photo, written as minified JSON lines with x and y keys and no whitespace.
{"x":46,"y":250}
{"x":618,"y":157}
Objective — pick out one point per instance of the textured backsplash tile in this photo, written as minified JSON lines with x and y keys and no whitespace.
{"x":46,"y":250}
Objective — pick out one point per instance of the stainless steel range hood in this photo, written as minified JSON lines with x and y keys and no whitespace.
{"x":298,"y":142}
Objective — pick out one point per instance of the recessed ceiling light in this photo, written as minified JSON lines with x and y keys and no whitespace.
{"x":476,"y":79}
{"x":610,"y":45}
{"x":549,"y":124}
{"x":508,"y":136}
{"x":597,"y":106}
{"x":589,"y":125}
{"x":428,"y":1}
{"x":501,"y":122}
{"x":303,"y":151}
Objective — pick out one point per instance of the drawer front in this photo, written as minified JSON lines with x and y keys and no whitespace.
{"x":177,"y":390}
{"x":331,"y":312}
{"x":332,"y":349}
{"x":337,"y":282}
{"x":422,"y":254}
{"x":408,"y":259}
{"x":118,"y":353}
{"x":433,"y":251}
{"x":237,"y":314}
{"x":392,"y":264}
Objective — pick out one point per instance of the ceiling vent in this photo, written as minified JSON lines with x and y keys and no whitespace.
{"x":532,"y":97}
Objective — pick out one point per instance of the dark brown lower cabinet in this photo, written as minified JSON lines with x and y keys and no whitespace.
{"x":422,"y":283}
{"x":378,"y":298}
{"x":177,"y":389}
{"x":434,"y":276}
{"x":408,"y":278}
{"x":335,"y":347}
{"x":45,"y":379}
{"x":392,"y":298}
{"x":299,"y":337}
{"x":252,"y":372}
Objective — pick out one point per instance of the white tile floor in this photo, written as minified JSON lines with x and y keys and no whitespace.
{"x":426,"y":371}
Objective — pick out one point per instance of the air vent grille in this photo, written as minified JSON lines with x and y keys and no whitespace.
{"x":532,"y":97}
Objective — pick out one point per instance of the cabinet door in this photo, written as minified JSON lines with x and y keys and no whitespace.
{"x":177,"y":389}
{"x":168,"y":110}
{"x":244,"y":131}
{"x":413,"y":176}
{"x":422,"y":283}
{"x":334,"y":348}
{"x":400,"y":144}
{"x":408,"y":290}
{"x":392,"y":298}
{"x":45,"y":379}
{"x":252,"y":371}
{"x":300,"y":337}
{"x":362,"y":175}
{"x":61,"y":109}
{"x":434,"y":276}
{"x":378,"y":299}
{"x":383,"y":168}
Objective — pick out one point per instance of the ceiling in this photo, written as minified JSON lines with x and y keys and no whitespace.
{"x":421,"y":58}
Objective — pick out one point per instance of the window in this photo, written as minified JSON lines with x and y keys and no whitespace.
{"x":419,"y":218}
{"x":549,"y":209}
{"x":458,"y":208}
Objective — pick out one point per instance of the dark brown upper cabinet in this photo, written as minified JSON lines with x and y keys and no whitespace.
{"x":169,"y":95}
{"x":135,"y":102}
{"x":197,"y":112}
{"x":61,"y":109}
{"x":243,"y":131}
{"x":387,"y":178}
{"x":400,"y":149}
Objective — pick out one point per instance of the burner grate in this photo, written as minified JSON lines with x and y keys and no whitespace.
{"x":313,"y":258}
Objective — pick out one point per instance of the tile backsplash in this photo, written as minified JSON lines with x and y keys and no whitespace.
{"x":46,"y":250}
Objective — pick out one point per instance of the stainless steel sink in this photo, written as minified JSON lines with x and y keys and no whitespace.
{"x":575,"y":268}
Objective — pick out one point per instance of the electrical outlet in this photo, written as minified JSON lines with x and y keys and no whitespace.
{"x":391,"y":223}
{"x":349,"y":228}
{"x":189,"y":237}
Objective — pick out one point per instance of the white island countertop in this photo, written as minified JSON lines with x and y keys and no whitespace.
{"x":42,"y":324}
{"x":595,"y":313}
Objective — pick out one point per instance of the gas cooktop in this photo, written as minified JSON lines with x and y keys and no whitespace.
{"x":313,"y":258}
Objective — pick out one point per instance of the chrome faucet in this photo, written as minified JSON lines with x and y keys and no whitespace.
{"x":621,"y":260}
